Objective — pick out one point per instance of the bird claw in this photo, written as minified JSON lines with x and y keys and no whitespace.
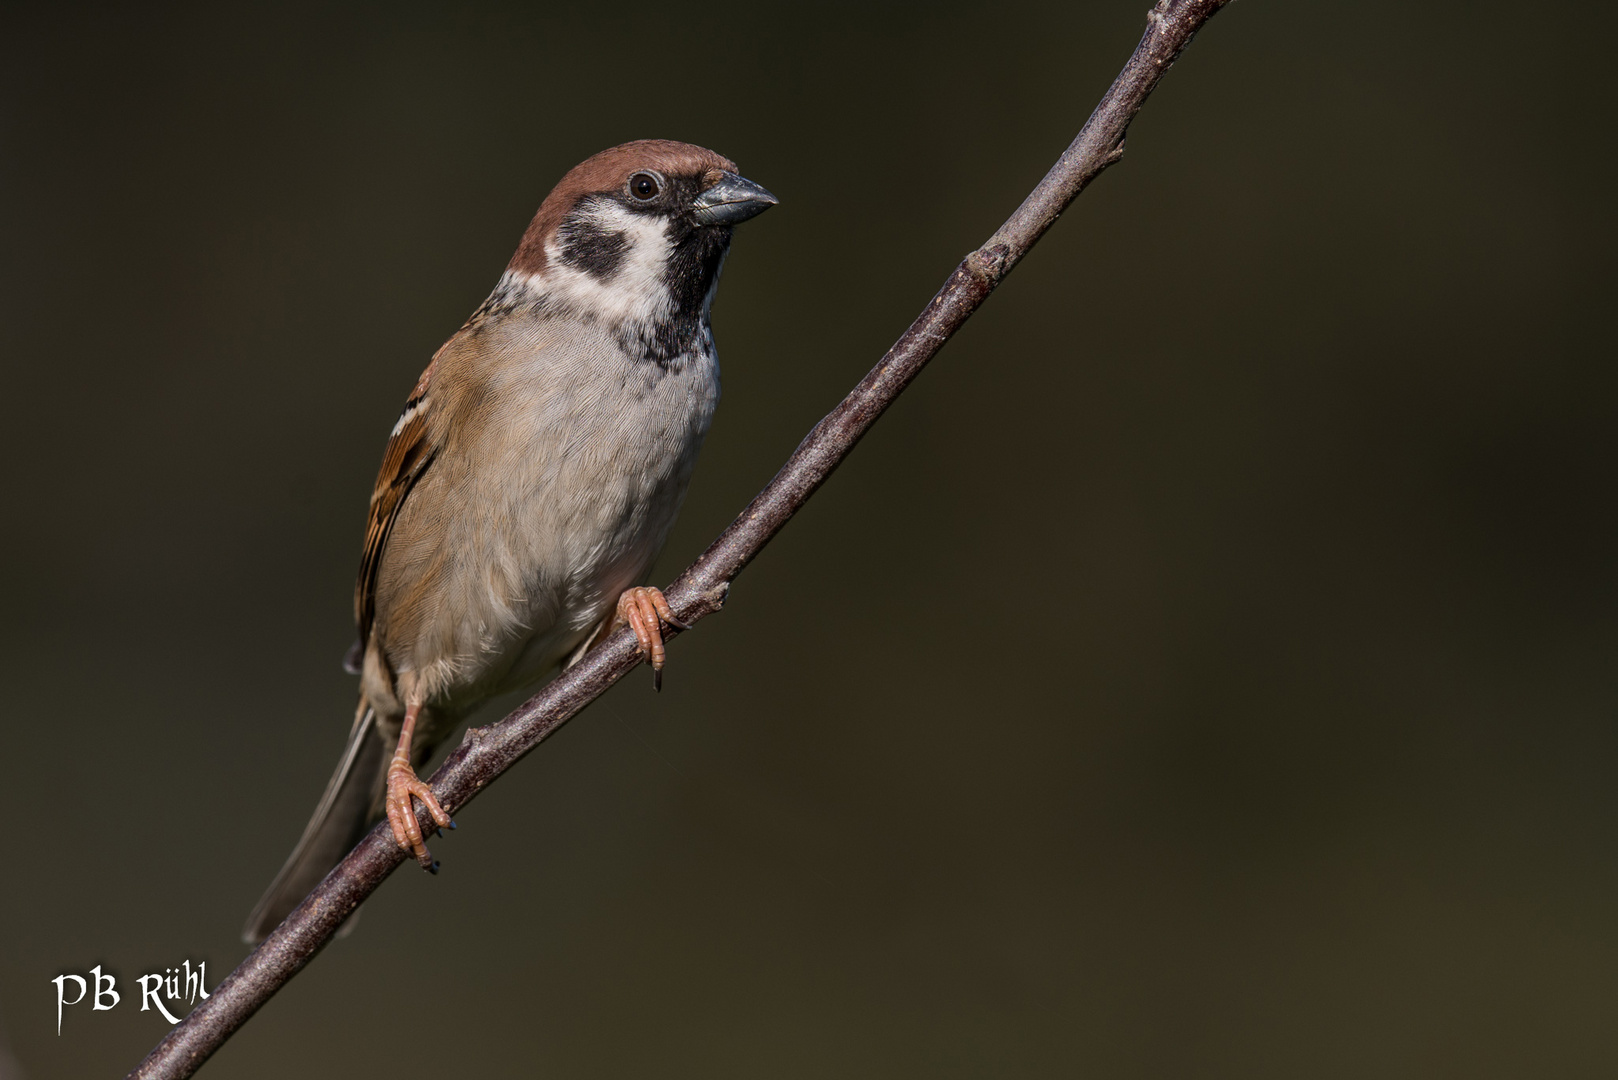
{"x":645,"y":609}
{"x":403,"y":786}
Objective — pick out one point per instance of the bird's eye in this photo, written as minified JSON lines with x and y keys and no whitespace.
{"x":644,"y":185}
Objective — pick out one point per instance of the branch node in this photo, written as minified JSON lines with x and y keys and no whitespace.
{"x":988,"y":264}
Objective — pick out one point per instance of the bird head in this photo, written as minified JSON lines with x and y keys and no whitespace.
{"x":639,"y":232}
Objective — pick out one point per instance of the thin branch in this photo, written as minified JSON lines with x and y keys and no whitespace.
{"x":487,"y":752}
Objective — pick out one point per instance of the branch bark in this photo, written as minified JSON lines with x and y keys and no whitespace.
{"x":700,"y":591}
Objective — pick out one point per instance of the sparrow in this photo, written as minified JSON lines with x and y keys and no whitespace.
{"x":531,"y":479}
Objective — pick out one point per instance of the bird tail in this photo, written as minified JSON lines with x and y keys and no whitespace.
{"x":349,"y":807}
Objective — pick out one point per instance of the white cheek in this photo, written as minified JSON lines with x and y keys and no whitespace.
{"x":636,"y":291}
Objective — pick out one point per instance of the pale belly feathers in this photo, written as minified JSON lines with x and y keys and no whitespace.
{"x":499,"y":574}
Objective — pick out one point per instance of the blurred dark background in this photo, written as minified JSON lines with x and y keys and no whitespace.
{"x":1206,"y":669}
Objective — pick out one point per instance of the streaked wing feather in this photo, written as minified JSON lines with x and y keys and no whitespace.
{"x":410,"y":450}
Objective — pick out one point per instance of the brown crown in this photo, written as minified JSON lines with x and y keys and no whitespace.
{"x":609,"y":171}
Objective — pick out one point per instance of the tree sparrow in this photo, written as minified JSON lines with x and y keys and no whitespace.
{"x":532,"y":478}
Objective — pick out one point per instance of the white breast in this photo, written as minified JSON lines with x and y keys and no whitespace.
{"x":595,"y":449}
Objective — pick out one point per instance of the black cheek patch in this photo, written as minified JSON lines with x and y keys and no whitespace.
{"x":587,"y":246}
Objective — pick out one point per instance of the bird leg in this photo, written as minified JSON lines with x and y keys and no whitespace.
{"x":403,"y":784}
{"x":645,"y":610}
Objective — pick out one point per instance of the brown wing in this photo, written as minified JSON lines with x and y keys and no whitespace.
{"x":409,"y":452}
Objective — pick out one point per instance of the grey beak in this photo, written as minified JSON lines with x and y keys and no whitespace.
{"x":734,"y":199}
